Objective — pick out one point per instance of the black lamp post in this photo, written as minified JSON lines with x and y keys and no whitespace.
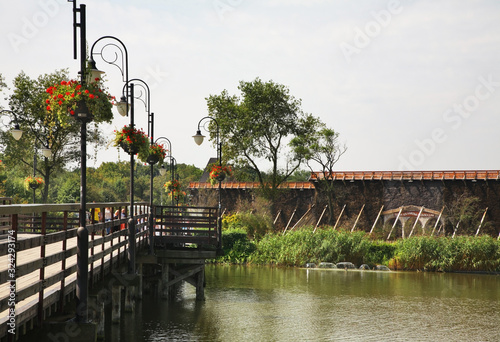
{"x":198,"y":139}
{"x":144,"y":95}
{"x":82,"y":114}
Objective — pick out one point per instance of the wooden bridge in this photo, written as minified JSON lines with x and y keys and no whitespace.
{"x":38,"y":254}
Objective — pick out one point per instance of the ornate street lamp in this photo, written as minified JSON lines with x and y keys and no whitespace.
{"x":144,"y":95}
{"x":120,"y":60}
{"x":16,"y":132}
{"x":126,"y":104}
{"x":198,"y":139}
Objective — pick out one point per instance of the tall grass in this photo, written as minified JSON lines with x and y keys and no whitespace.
{"x":462,"y":253}
{"x":296,"y":248}
{"x":299,"y":247}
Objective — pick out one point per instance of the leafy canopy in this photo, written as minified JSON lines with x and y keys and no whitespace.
{"x":258,"y":126}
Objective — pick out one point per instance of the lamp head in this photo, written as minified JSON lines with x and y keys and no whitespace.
{"x":163,"y":170}
{"x":94,"y":72}
{"x":198,"y":137}
{"x":17,"y":132}
{"x":122,"y":106}
{"x":47,"y":152}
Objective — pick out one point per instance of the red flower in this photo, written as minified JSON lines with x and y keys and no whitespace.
{"x":72,"y":112}
{"x":48,"y":107}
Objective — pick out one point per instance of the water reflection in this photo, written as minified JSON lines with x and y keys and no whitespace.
{"x":270,"y":304}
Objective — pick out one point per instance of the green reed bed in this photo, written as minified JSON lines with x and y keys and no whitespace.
{"x":303,"y":246}
{"x":298,"y":247}
{"x":461,"y":253}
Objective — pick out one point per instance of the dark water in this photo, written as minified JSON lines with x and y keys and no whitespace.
{"x":269,"y":304}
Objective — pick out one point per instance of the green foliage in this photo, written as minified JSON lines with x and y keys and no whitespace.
{"x":27,"y":101}
{"x":255,"y":225}
{"x":236,"y":246}
{"x":465,"y":211}
{"x":258,"y":125}
{"x":299,"y":247}
{"x":300,"y":176}
{"x":322,"y":148}
{"x":63,"y":98}
{"x":462,"y":253}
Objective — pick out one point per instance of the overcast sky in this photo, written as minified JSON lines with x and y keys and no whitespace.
{"x":410,"y":85}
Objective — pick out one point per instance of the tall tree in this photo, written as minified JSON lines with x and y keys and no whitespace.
{"x":2,"y":82}
{"x":324,"y":149}
{"x":258,"y":126}
{"x":28,"y":101}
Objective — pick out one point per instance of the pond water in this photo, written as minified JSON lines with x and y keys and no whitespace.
{"x":291,"y":304}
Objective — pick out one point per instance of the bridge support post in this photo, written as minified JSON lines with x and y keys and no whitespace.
{"x":139,"y":293}
{"x":96,"y":314}
{"x":200,"y":285}
{"x":165,"y":277}
{"x":129,"y":299}
{"x":116,"y":303}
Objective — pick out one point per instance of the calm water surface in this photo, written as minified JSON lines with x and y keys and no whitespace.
{"x":270,"y":304}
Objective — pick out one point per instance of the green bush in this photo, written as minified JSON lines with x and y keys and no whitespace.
{"x":255,"y":225}
{"x":236,"y":246}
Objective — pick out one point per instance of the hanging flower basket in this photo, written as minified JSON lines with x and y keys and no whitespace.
{"x":63,"y":99}
{"x":156,"y":153}
{"x":219,"y":173}
{"x":32,"y":183}
{"x":173,"y":188}
{"x":132,"y":140}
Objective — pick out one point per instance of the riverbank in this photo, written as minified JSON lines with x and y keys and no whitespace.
{"x":418,"y":253}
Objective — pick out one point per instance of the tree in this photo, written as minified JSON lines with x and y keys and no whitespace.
{"x":2,"y":82}
{"x":259,"y":126}
{"x":324,"y":149}
{"x":28,"y":101}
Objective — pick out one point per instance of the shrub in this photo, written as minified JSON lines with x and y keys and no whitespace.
{"x":236,"y":246}
{"x":255,"y":225}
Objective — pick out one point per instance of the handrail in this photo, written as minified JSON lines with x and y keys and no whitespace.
{"x":42,"y":267}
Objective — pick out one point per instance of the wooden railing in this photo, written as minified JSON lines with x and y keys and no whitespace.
{"x":186,"y":225}
{"x":38,"y":256}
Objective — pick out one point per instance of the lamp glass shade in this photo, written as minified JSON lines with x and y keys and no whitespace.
{"x":47,"y":152}
{"x":163,"y":170}
{"x":94,"y":72}
{"x":122,"y":106}
{"x":17,"y":132}
{"x":198,"y":138}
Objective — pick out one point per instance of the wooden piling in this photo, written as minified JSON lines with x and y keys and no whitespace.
{"x":116,"y":304}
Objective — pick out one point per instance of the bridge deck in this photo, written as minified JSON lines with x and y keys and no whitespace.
{"x":46,"y":263}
